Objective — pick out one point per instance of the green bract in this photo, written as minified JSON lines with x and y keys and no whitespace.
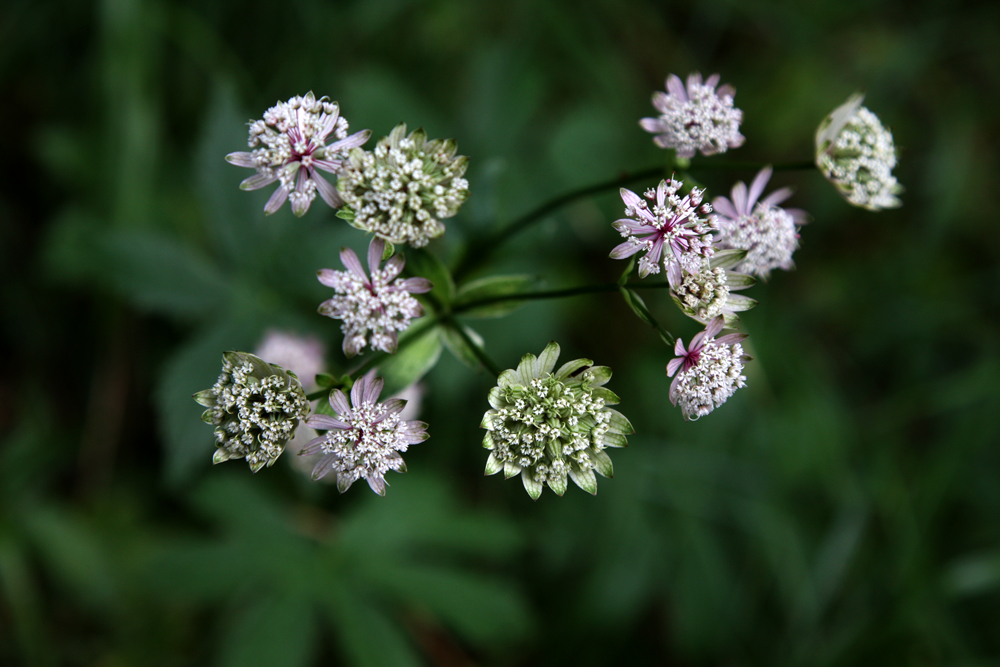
{"x":402,"y":189}
{"x":547,"y":426}
{"x":255,"y":407}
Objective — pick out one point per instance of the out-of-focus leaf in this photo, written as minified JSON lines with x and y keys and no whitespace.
{"x":270,"y":632}
{"x":420,"y":262}
{"x":973,"y":575}
{"x":366,"y":634}
{"x":493,"y":287}
{"x":458,"y":346}
{"x":480,"y":609}
{"x":411,"y":362}
{"x":21,"y":595}
{"x":160,"y":275}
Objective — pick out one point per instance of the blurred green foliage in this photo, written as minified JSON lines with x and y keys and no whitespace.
{"x":843,"y":509}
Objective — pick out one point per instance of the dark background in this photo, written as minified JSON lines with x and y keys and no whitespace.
{"x":843,"y":509}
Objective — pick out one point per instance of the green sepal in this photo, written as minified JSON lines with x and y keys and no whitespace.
{"x":619,"y":423}
{"x":496,"y":398}
{"x":571,"y":367}
{"x":739,"y":303}
{"x":510,"y":469}
{"x":533,"y":488}
{"x":493,"y":287}
{"x":205,"y":398}
{"x":509,"y":378}
{"x":345,"y":212}
{"x":610,"y":397}
{"x":493,"y":465}
{"x":389,"y":250}
{"x":221,"y":455}
{"x":739,"y":280}
{"x":547,"y":359}
{"x":600,"y":375}
{"x":602,"y":462}
{"x":558,"y":485}
{"x":727,"y":258}
{"x":615,"y":440}
{"x":488,"y":439}
{"x":585,"y":479}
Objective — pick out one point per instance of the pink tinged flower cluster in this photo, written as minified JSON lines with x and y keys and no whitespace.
{"x":289,"y":146}
{"x":695,"y":118}
{"x":673,"y":232}
{"x":768,"y":233}
{"x":373,"y":308}
{"x":364,"y":439}
{"x":707,"y":372}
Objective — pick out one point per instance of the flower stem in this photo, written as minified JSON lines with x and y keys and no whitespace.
{"x":713,"y":164}
{"x":476,"y":349}
{"x":553,"y":294}
{"x":479,"y":251}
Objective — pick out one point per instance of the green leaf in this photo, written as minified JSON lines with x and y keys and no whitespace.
{"x":493,"y":287}
{"x":637,"y":305}
{"x":421,"y":263}
{"x":367,"y":636}
{"x":459,"y":347}
{"x":412,"y":361}
{"x":627,"y":272}
{"x":270,"y":632}
{"x":326,"y":381}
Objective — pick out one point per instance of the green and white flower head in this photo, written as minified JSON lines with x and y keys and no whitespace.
{"x":856,"y":153}
{"x":548,"y":426}
{"x":705,"y":295}
{"x":708,"y":372}
{"x":255,"y":407}
{"x":289,"y":146}
{"x":404,"y":188}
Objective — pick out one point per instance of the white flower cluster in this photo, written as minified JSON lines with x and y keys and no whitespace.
{"x":857,"y":154}
{"x":377,"y":309}
{"x":255,"y":407}
{"x":402,"y":189}
{"x":715,"y":377}
{"x":770,"y":235}
{"x":547,"y":427}
{"x":705,"y":294}
{"x":696,"y":118}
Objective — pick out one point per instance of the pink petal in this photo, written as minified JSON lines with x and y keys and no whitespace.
{"x":740,"y":198}
{"x":241,"y":159}
{"x":715,"y":326}
{"x":358,"y":390}
{"x":373,"y":390}
{"x":676,"y":88}
{"x":758,"y":185}
{"x":725,"y":207}
{"x":328,"y":277}
{"x":712,"y":81}
{"x":416,"y":285}
{"x":355,"y":140}
{"x":324,"y":466}
{"x":654,"y":125}
{"x":353,"y":264}
{"x":326,"y":423}
{"x":627,"y":249}
{"x":338,"y":401}
{"x":276,"y":200}
{"x":694,"y":78}
{"x":672,"y":366}
{"x":777,"y":197}
{"x":257,"y":181}
{"x":393,"y":267}
{"x":327,"y":191}
{"x":375,"y":250}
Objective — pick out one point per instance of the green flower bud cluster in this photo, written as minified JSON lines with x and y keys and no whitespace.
{"x":402,"y":189}
{"x":709,"y":293}
{"x":548,"y":426}
{"x":857,"y":154}
{"x":255,"y":407}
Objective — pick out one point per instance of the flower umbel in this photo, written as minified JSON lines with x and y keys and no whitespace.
{"x":379,"y":305}
{"x":705,"y":295}
{"x":546,"y":426}
{"x":710,"y":370}
{"x":289,"y":146}
{"x":696,"y":118}
{"x":856,"y":153}
{"x":675,"y":222}
{"x":768,"y":233}
{"x":402,"y":189}
{"x":255,"y":407}
{"x":365,"y":438}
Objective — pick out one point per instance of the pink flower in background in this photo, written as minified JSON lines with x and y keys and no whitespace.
{"x":673,"y":232}
{"x":289,"y":146}
{"x":303,"y":355}
{"x":365,"y":438}
{"x":768,"y":233}
{"x":378,"y":306}
{"x":696,"y":118}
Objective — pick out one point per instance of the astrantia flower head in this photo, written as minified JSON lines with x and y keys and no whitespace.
{"x":289,"y":146}
{"x":402,"y":189}
{"x":255,"y":407}
{"x":379,"y":305}
{"x":708,"y":372}
{"x":856,"y":153}
{"x":768,"y":233}
{"x":705,"y":295}
{"x":698,"y":118}
{"x":546,"y":426}
{"x":364,"y":439}
{"x":675,"y":231}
